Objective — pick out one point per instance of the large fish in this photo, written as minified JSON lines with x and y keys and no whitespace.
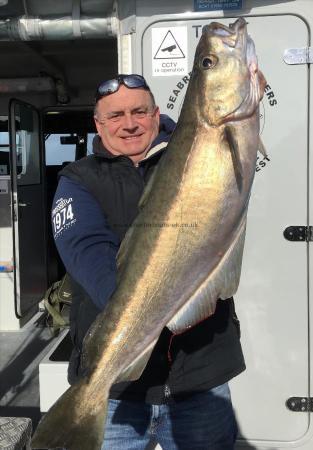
{"x":185,"y":247}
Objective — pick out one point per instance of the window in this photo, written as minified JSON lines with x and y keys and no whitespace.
{"x":4,"y":153}
{"x":57,"y":153}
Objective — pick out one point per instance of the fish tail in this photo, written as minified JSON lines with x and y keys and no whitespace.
{"x":75,"y":422}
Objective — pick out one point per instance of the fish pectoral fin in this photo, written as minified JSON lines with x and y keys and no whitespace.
{"x":230,"y":136}
{"x":135,"y":369}
{"x":221,"y":283}
{"x":261,"y":148}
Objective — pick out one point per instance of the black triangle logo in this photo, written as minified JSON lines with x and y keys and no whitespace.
{"x":169,"y":48}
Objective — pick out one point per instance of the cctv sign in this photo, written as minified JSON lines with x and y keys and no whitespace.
{"x":169,"y":51}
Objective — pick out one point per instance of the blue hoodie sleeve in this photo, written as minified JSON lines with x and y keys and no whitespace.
{"x":86,"y":244}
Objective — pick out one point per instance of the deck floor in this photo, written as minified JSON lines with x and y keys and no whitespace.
{"x":20,"y":355}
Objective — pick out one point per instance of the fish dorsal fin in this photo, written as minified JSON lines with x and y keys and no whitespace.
{"x":135,"y":369}
{"x":123,"y":250}
{"x":147,"y":190}
{"x":221,"y":283}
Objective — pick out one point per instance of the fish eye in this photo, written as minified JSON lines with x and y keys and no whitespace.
{"x":208,"y":62}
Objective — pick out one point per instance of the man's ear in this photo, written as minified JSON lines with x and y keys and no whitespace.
{"x":157,"y":114}
{"x":98,"y":125}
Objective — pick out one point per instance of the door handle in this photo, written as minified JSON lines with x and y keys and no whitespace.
{"x":20,"y":203}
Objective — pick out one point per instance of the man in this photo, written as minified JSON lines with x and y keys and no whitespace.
{"x":182,"y":398}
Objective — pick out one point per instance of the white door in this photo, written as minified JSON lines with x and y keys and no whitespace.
{"x":272,"y":301}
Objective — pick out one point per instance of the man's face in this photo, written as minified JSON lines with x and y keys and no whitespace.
{"x":127,"y":122}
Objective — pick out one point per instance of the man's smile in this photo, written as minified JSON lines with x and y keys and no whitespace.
{"x":129,"y":138}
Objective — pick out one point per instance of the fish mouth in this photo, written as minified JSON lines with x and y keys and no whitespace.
{"x":229,"y":34}
{"x":219,"y":29}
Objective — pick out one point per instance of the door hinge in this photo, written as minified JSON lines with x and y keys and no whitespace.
{"x":299,"y":233}
{"x":302,"y":55}
{"x":300,"y":404}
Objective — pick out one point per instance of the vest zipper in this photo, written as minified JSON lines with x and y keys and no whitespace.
{"x":167,"y":390}
{"x":167,"y":393}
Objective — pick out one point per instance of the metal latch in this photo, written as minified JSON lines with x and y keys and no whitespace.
{"x":299,"y":233}
{"x":298,"y":55}
{"x":300,"y":404}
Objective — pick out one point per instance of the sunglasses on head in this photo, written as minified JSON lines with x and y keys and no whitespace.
{"x":110,"y":86}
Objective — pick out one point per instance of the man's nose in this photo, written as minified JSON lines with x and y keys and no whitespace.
{"x":129,"y":122}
